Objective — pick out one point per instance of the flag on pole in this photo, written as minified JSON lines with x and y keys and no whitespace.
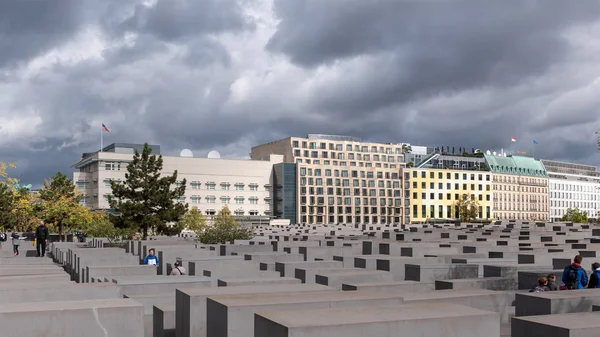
{"x":513,"y":139}
{"x":535,"y":142}
{"x":105,"y":128}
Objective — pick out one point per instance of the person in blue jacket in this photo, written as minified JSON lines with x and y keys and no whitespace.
{"x":151,"y":259}
{"x":575,"y":277}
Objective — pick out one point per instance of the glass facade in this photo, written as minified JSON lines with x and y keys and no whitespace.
{"x":285,"y":191}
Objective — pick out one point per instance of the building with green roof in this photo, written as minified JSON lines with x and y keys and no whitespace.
{"x":520,"y":188}
{"x":516,"y":165}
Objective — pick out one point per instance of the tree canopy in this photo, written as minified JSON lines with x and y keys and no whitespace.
{"x":468,"y":208}
{"x":60,"y":204}
{"x":575,"y":215}
{"x":224,"y":229}
{"x":193,"y":221}
{"x":147,"y":200}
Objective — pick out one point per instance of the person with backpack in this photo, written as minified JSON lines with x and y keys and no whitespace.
{"x":594,"y":276}
{"x":574,"y":277}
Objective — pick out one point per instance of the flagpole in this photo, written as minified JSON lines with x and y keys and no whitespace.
{"x":533,"y":150}
{"x":101,"y":138}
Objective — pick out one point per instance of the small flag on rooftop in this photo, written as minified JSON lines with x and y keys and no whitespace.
{"x":535,"y":142}
{"x":513,"y":139}
{"x":105,"y":128}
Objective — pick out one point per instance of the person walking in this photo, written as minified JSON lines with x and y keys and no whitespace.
{"x":16,"y":241}
{"x":41,"y":237}
{"x":574,"y":277}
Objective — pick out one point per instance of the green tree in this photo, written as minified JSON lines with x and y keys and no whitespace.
{"x":193,"y":221}
{"x":102,"y":227}
{"x":224,"y":229}
{"x":60,"y":205}
{"x":468,"y":208}
{"x":406,"y":148}
{"x":6,"y":205}
{"x":58,"y":187}
{"x":146,"y":200}
{"x":25,"y":210}
{"x":575,"y":215}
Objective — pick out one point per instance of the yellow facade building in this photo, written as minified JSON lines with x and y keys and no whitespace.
{"x":434,"y":192}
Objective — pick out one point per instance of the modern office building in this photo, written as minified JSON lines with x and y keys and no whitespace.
{"x":573,"y":186}
{"x":520,"y":188}
{"x":339,"y":179}
{"x":440,"y":179}
{"x":212,"y":183}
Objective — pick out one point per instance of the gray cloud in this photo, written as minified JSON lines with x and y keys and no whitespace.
{"x":230,"y":74}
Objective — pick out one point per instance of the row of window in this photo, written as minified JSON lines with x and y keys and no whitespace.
{"x":346,"y":182}
{"x":520,"y":207}
{"x":574,"y":196}
{"x":440,"y":175}
{"x":520,"y":216}
{"x":348,"y":210}
{"x":447,"y":212}
{"x":440,"y":186}
{"x":440,"y":196}
{"x":575,"y":204}
{"x":348,"y":156}
{"x":317,"y":172}
{"x":348,"y":201}
{"x":520,"y":180}
{"x":575,"y":188}
{"x":519,"y":197}
{"x":345,"y":163}
{"x":365,"y":219}
{"x":517,"y":188}
{"x":348,"y":147}
{"x":209,"y":200}
{"x":350,"y":192}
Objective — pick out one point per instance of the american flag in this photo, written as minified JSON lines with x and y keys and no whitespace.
{"x":105,"y":128}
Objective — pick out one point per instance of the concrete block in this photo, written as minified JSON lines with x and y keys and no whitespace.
{"x":585,"y":324}
{"x":251,"y":281}
{"x":233,"y":315}
{"x":90,"y":318}
{"x":385,"y":321}
{"x":164,"y":321}
{"x":556,"y":302}
{"x":191,"y":303}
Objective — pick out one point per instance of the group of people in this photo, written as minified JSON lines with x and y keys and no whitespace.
{"x":573,"y":277}
{"x":41,"y":239}
{"x":152,"y":260}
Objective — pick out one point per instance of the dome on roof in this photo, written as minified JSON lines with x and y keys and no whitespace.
{"x":186,"y":153}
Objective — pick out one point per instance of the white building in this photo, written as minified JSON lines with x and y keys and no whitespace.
{"x":212,"y":183}
{"x":573,"y":186}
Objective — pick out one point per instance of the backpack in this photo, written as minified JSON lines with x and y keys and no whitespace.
{"x":2,"y":237}
{"x":572,"y":278}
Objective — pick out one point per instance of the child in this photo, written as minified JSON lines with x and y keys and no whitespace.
{"x":16,"y":241}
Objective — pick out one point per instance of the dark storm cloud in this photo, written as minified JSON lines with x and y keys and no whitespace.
{"x":432,"y":46}
{"x":177,"y":19}
{"x":28,"y":28}
{"x":207,"y":74}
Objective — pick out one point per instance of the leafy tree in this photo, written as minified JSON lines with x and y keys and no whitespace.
{"x":410,"y":164}
{"x":60,"y":204}
{"x":193,"y":221}
{"x":66,"y":213}
{"x":58,"y":187}
{"x":225,"y":228}
{"x":575,"y":215}
{"x":406,"y":148}
{"x":468,"y":208}
{"x":102,"y":227}
{"x":6,"y":204}
{"x":4,"y":177}
{"x":145,"y":200}
{"x":25,"y":210}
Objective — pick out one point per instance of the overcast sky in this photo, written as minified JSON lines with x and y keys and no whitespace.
{"x":230,"y":74}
